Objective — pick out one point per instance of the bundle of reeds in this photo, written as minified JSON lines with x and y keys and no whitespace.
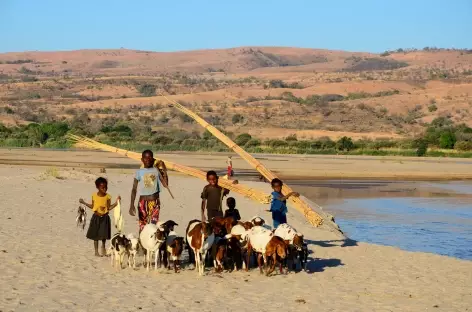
{"x":313,"y":217}
{"x":252,"y":193}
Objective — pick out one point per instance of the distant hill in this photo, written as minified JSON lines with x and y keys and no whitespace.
{"x":270,"y":92}
{"x":236,"y":60}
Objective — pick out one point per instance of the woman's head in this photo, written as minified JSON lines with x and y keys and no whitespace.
{"x":102,"y":185}
{"x":147,"y":157}
{"x":212,"y":177}
{"x":231,"y":203}
{"x":277,"y":185}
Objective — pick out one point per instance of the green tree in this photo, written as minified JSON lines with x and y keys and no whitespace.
{"x":147,"y":90}
{"x":36,"y":136}
{"x":345,"y":144}
{"x":253,"y":143}
{"x":421,"y":147}
{"x":55,"y":130}
{"x":243,"y":138}
{"x":291,"y":138}
{"x":237,"y":118}
{"x":447,"y":140}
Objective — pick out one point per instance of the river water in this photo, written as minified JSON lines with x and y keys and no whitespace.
{"x":416,"y":216}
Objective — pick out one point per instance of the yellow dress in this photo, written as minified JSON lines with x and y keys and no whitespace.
{"x":100,"y":204}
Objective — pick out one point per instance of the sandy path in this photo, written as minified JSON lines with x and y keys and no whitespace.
{"x":47,"y":264}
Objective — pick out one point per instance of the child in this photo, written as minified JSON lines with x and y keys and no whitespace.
{"x":278,"y":205}
{"x":232,"y":211}
{"x":100,"y":224}
{"x":212,"y":197}
{"x":148,"y":179}
{"x":229,"y":162}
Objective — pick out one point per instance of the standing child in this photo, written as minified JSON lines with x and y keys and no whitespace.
{"x":229,"y":162}
{"x":149,"y":179}
{"x":212,"y":197}
{"x":100,"y":224}
{"x":232,"y":211}
{"x":278,"y":205}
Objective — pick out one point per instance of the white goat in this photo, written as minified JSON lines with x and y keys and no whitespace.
{"x":258,"y":238}
{"x":152,"y":237}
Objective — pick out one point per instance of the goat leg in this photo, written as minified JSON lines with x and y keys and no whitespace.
{"x":249,"y":249}
{"x":271,"y":267}
{"x":259,"y":262}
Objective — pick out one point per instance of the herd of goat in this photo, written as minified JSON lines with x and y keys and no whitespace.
{"x":229,"y":244}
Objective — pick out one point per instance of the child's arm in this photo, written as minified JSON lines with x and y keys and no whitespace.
{"x":282,"y":198}
{"x":132,"y":209}
{"x":203,"y":209}
{"x":204,"y":197}
{"x":115,"y":204}
{"x":238,"y":217}
{"x":85,"y":204}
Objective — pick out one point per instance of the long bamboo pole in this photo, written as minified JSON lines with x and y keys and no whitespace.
{"x":314,"y":218}
{"x":252,"y":193}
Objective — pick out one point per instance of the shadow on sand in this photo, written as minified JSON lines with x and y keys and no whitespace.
{"x":318,"y":265}
{"x":314,"y":265}
{"x":333,"y":243}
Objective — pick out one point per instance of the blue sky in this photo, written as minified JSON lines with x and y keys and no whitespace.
{"x":355,"y":25}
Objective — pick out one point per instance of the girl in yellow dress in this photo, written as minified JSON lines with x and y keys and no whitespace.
{"x":100,"y":224}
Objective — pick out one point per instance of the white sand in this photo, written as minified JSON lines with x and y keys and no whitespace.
{"x":47,"y":264}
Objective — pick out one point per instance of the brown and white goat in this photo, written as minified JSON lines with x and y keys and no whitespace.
{"x":276,"y":251}
{"x":200,"y":237}
{"x":218,"y":252}
{"x":247,"y":225}
{"x":168,"y":227}
{"x":260,"y":240}
{"x":294,"y":239}
{"x":174,"y":248}
{"x":224,"y":223}
{"x":257,"y":221}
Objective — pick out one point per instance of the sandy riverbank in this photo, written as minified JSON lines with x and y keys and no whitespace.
{"x":287,"y":166}
{"x":47,"y":264}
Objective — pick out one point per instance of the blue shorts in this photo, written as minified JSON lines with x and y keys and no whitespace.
{"x":278,"y":218}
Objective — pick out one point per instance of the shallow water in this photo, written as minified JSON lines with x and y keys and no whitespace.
{"x":441,"y":225}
